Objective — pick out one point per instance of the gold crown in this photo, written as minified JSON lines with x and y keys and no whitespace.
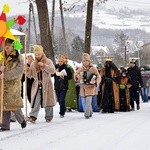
{"x":109,"y":59}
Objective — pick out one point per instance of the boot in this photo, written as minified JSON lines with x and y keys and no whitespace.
{"x":23,"y":124}
{"x":3,"y":129}
{"x":138,"y":107}
{"x":132,"y":109}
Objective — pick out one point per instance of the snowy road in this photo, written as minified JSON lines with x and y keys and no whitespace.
{"x":118,"y":131}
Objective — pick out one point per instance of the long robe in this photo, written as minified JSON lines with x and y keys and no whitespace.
{"x":110,"y":91}
{"x":71,"y":96}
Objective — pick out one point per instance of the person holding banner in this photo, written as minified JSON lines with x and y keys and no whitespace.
{"x":11,"y":73}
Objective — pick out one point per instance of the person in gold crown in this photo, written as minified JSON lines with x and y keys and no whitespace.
{"x":110,"y":90}
{"x":42,"y":92}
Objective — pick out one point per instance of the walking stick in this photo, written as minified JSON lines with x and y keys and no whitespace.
{"x":25,"y":51}
{"x":2,"y":89}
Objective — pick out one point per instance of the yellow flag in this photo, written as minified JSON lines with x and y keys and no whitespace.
{"x":1,"y":56}
{"x":6,"y":8}
{"x":9,"y":35}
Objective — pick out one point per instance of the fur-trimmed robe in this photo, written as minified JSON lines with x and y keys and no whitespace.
{"x":12,"y":83}
{"x":49,"y":98}
{"x":114,"y":87}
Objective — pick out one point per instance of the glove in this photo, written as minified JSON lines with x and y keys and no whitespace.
{"x":122,"y":86}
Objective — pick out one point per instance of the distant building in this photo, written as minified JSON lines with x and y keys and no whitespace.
{"x":16,"y":33}
{"x":101,"y":51}
{"x":145,"y":50}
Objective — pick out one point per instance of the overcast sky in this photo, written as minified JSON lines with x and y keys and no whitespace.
{"x":21,"y":6}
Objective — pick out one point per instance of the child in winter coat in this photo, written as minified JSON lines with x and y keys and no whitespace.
{"x":124,"y":94}
{"x":88,"y":88}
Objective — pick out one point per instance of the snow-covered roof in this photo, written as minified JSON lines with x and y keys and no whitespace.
{"x":16,"y":32}
{"x":97,"y":48}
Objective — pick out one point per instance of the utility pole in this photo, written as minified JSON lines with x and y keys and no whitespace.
{"x":139,"y":44}
{"x":125,"y":56}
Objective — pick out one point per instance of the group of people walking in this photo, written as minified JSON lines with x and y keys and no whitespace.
{"x":116,"y":90}
{"x":120,"y":88}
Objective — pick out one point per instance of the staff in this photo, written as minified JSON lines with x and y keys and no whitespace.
{"x":2,"y":87}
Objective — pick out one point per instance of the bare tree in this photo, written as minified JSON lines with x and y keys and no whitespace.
{"x":88,"y":27}
{"x":63,"y":28}
{"x":89,"y":18}
{"x":53,"y":20}
{"x":46,"y":39}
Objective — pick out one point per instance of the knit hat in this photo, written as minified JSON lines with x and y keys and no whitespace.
{"x":86,"y":56}
{"x":38,"y":49}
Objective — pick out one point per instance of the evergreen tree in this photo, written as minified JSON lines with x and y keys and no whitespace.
{"x":77,"y":47}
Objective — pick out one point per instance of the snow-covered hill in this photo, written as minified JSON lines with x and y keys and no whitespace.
{"x":116,"y":14}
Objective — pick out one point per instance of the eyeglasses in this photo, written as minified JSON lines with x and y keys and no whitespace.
{"x":132,"y":62}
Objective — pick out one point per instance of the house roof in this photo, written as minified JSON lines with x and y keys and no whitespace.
{"x":16,"y":32}
{"x":98,"y":48}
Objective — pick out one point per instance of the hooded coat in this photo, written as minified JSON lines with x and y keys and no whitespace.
{"x":85,"y":89}
{"x":48,"y":93}
{"x":14,"y":65}
{"x":88,"y":89}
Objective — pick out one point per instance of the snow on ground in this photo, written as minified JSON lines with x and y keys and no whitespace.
{"x":118,"y":131}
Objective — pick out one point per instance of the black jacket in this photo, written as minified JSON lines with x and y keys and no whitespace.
{"x":135,"y":75}
{"x":59,"y":83}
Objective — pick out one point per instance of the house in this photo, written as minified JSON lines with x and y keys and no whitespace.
{"x":17,"y":33}
{"x":145,"y":50}
{"x":101,"y":51}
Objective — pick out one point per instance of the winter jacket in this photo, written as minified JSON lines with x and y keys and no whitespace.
{"x":59,"y":83}
{"x":12,"y":82}
{"x":48,"y":93}
{"x":89,"y":89}
{"x":135,"y":75}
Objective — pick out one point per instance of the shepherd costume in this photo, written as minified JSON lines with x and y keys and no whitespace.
{"x":12,"y":101}
{"x":42,"y":92}
{"x":71,"y":96}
